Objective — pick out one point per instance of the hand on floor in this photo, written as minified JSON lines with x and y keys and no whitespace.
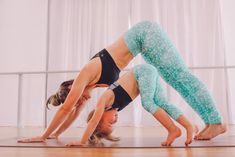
{"x":75,"y":143}
{"x":32,"y":140}
{"x":53,"y":136}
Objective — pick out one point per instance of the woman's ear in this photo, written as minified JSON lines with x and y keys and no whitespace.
{"x":112,"y":138}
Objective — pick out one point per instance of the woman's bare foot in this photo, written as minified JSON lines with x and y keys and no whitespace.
{"x":172,"y":135}
{"x":201,"y":132}
{"x":191,"y":131}
{"x":212,"y":131}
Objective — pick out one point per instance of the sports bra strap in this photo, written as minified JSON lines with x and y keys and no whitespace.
{"x":114,"y":85}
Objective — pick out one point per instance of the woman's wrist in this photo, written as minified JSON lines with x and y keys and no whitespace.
{"x":44,"y":137}
{"x":57,"y":134}
{"x":83,"y":141}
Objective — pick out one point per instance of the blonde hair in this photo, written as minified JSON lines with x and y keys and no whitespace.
{"x":59,"y":97}
{"x":98,"y":134}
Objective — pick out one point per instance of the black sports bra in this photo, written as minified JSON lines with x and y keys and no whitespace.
{"x":110,"y":71}
{"x":122,"y":98}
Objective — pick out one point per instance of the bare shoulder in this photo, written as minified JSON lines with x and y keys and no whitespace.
{"x":92,"y":70}
{"x":129,"y":83}
{"x":107,"y":98}
{"x":127,"y":78}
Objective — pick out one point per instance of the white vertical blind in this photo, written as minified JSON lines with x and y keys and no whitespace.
{"x":22,"y":49}
{"x":202,"y":30}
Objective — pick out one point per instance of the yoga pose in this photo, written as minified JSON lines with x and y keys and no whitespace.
{"x":150,"y":87}
{"x":143,"y":80}
{"x":149,"y":40}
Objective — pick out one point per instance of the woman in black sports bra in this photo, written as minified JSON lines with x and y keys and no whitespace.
{"x":110,"y":73}
{"x":147,"y":39}
{"x":142,"y":80}
{"x":73,"y":94}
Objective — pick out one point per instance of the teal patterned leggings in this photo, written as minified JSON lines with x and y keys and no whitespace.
{"x":152,"y":42}
{"x":151,"y":91}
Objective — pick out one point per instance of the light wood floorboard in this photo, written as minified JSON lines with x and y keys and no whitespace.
{"x":7,"y":132}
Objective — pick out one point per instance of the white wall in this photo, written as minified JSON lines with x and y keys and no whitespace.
{"x":22,"y":48}
{"x":23,"y":26}
{"x":228,"y":24}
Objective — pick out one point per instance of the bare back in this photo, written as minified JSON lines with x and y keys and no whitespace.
{"x":120,"y":53}
{"x":129,"y":83}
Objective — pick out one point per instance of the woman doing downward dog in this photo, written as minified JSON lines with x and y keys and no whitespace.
{"x":150,"y":40}
{"x":143,"y":80}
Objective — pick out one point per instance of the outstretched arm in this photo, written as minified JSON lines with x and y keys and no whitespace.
{"x":68,"y":121}
{"x":82,"y":80}
{"x":76,"y":91}
{"x":92,"y":124}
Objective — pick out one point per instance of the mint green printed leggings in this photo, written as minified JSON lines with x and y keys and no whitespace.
{"x":150,"y":40}
{"x":151,"y":91}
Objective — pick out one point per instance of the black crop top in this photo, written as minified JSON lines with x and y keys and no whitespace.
{"x":110,"y":71}
{"x":122,"y":98}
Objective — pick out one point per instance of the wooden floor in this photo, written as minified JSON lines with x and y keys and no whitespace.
{"x":7,"y":132}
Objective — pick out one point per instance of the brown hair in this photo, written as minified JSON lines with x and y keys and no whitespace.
{"x":59,"y":97}
{"x":98,"y":134}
